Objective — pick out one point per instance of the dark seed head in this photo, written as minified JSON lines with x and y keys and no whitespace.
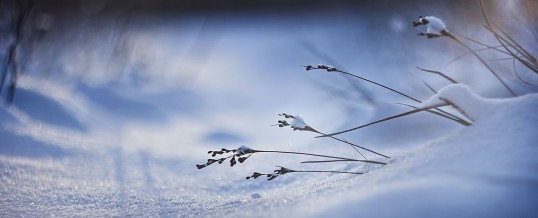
{"x":210,"y":161}
{"x":271,"y":177}
{"x":232,"y":161}
{"x":255,"y":175}
{"x":242,"y":159}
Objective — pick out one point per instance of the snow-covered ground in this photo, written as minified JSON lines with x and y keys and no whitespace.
{"x":487,"y":169}
{"x":101,"y":132}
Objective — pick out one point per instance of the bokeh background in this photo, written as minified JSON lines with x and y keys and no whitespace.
{"x":120,"y":99}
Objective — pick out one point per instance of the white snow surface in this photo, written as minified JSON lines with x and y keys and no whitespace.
{"x":488,"y":169}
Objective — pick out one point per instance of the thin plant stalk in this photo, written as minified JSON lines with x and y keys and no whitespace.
{"x":316,"y":51}
{"x":513,"y":43}
{"x":324,"y":171}
{"x":325,"y":161}
{"x":496,"y":48}
{"x":485,"y":64}
{"x":440,"y":74}
{"x":316,"y":155}
{"x":517,"y":74}
{"x":344,"y":141}
{"x":393,"y":90}
{"x":476,"y":50}
{"x":502,"y":59}
{"x":429,"y":87}
{"x":524,"y":62}
{"x":378,"y":84}
{"x":457,"y":108}
{"x":465,"y":123}
{"x":349,"y":143}
{"x":284,"y":170}
{"x":387,"y":118}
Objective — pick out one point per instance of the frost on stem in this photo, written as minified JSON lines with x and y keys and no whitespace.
{"x":435,"y":27}
{"x":297,"y":123}
{"x":243,"y":150}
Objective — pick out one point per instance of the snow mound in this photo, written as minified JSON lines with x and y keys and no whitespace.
{"x":490,"y":164}
{"x":484,"y":170}
{"x":467,"y":102}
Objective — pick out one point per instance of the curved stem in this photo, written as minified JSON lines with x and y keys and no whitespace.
{"x":378,"y":84}
{"x":344,"y":141}
{"x":395,"y":91}
{"x":349,"y":143}
{"x":459,"y":120}
{"x":486,"y":65}
{"x":386,"y":119}
{"x":439,"y":73}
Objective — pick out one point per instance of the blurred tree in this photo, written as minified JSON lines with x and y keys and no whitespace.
{"x":18,"y":13}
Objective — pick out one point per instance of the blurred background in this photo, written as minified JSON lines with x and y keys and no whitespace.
{"x":126,"y":96}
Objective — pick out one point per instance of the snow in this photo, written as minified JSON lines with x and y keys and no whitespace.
{"x":101,"y":147}
{"x":435,"y":25}
{"x":465,"y":100}
{"x":298,"y":122}
{"x":243,"y":149}
{"x":464,"y":173}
